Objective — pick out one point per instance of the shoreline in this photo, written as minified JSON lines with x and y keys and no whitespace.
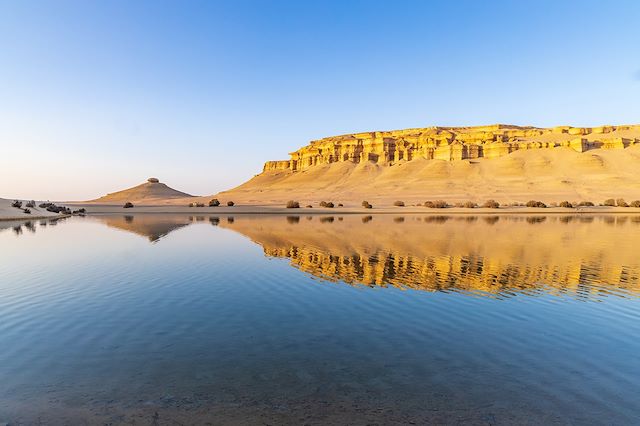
{"x":92,"y":209}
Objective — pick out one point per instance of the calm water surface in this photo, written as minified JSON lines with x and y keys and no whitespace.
{"x":177,"y":319}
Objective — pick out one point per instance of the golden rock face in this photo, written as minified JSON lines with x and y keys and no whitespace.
{"x":452,"y":143}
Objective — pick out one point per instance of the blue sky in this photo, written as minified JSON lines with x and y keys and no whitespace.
{"x":96,"y":96}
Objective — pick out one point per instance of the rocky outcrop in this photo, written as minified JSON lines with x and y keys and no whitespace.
{"x":452,"y":143}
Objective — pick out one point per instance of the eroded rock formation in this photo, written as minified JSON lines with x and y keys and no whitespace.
{"x":452,"y":143}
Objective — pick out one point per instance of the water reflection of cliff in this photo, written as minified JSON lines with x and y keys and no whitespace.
{"x":499,"y":255}
{"x":578,"y":255}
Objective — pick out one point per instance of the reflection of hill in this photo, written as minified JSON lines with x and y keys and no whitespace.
{"x":578,"y":255}
{"x":152,"y":226}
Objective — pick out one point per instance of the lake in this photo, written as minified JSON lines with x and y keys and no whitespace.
{"x":320,"y":319}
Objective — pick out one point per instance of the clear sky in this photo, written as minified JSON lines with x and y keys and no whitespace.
{"x":96,"y":96}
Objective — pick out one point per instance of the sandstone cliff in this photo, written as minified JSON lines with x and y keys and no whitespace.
{"x":453,"y":143}
{"x":508,"y":163}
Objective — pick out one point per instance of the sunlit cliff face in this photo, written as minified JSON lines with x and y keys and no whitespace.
{"x":579,"y":256}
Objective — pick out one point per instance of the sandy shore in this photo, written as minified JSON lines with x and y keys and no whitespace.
{"x":270,"y":209}
{"x":7,"y":212}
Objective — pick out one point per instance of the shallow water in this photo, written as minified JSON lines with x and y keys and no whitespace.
{"x":177,"y":319}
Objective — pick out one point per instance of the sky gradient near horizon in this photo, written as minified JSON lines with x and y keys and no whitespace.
{"x":96,"y":96}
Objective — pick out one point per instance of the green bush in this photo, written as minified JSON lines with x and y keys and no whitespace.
{"x":398,"y":203}
{"x":293,"y":204}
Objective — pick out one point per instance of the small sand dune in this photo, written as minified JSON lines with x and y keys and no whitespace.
{"x":150,"y":193}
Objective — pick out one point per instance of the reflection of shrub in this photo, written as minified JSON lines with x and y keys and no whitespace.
{"x":293,"y":204}
{"x":585,"y":204}
{"x":327,"y":219}
{"x":491,"y":204}
{"x":214,"y":203}
{"x":635,"y":203}
{"x":566,"y":204}
{"x":230,"y":203}
{"x":398,"y":219}
{"x":367,"y":219}
{"x":127,"y":205}
{"x":620,"y":202}
{"x":366,"y":205}
{"x":538,"y":204}
{"x":293,"y":219}
{"x":469,"y":205}
{"x":398,"y":203}
{"x":610,"y":202}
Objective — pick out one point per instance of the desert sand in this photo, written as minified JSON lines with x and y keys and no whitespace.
{"x":7,"y":212}
{"x":150,"y":192}
{"x":502,"y":162}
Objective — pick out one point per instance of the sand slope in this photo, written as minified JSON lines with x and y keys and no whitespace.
{"x":10,"y":213}
{"x":150,"y":192}
{"x":544,"y":174}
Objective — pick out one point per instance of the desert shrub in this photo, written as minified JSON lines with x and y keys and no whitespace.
{"x":230,"y":203}
{"x":429,"y":204}
{"x":293,"y":204}
{"x":534,"y":203}
{"x":17,"y":204}
{"x":469,"y":205}
{"x":398,"y":203}
{"x":328,"y":204}
{"x":620,"y":202}
{"x":323,"y":203}
{"x":635,"y":203}
{"x":459,"y":204}
{"x":440,"y":204}
{"x":128,"y":205}
{"x":340,"y":205}
{"x":491,"y":204}
{"x":45,"y":205}
{"x":366,"y":205}
{"x":566,"y":204}
{"x":309,"y":206}
{"x":192,"y":204}
{"x":31,"y":204}
{"x":586,"y":204}
{"x":610,"y":202}
{"x":199,"y":204}
{"x":214,"y":203}
{"x":27,"y":211}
